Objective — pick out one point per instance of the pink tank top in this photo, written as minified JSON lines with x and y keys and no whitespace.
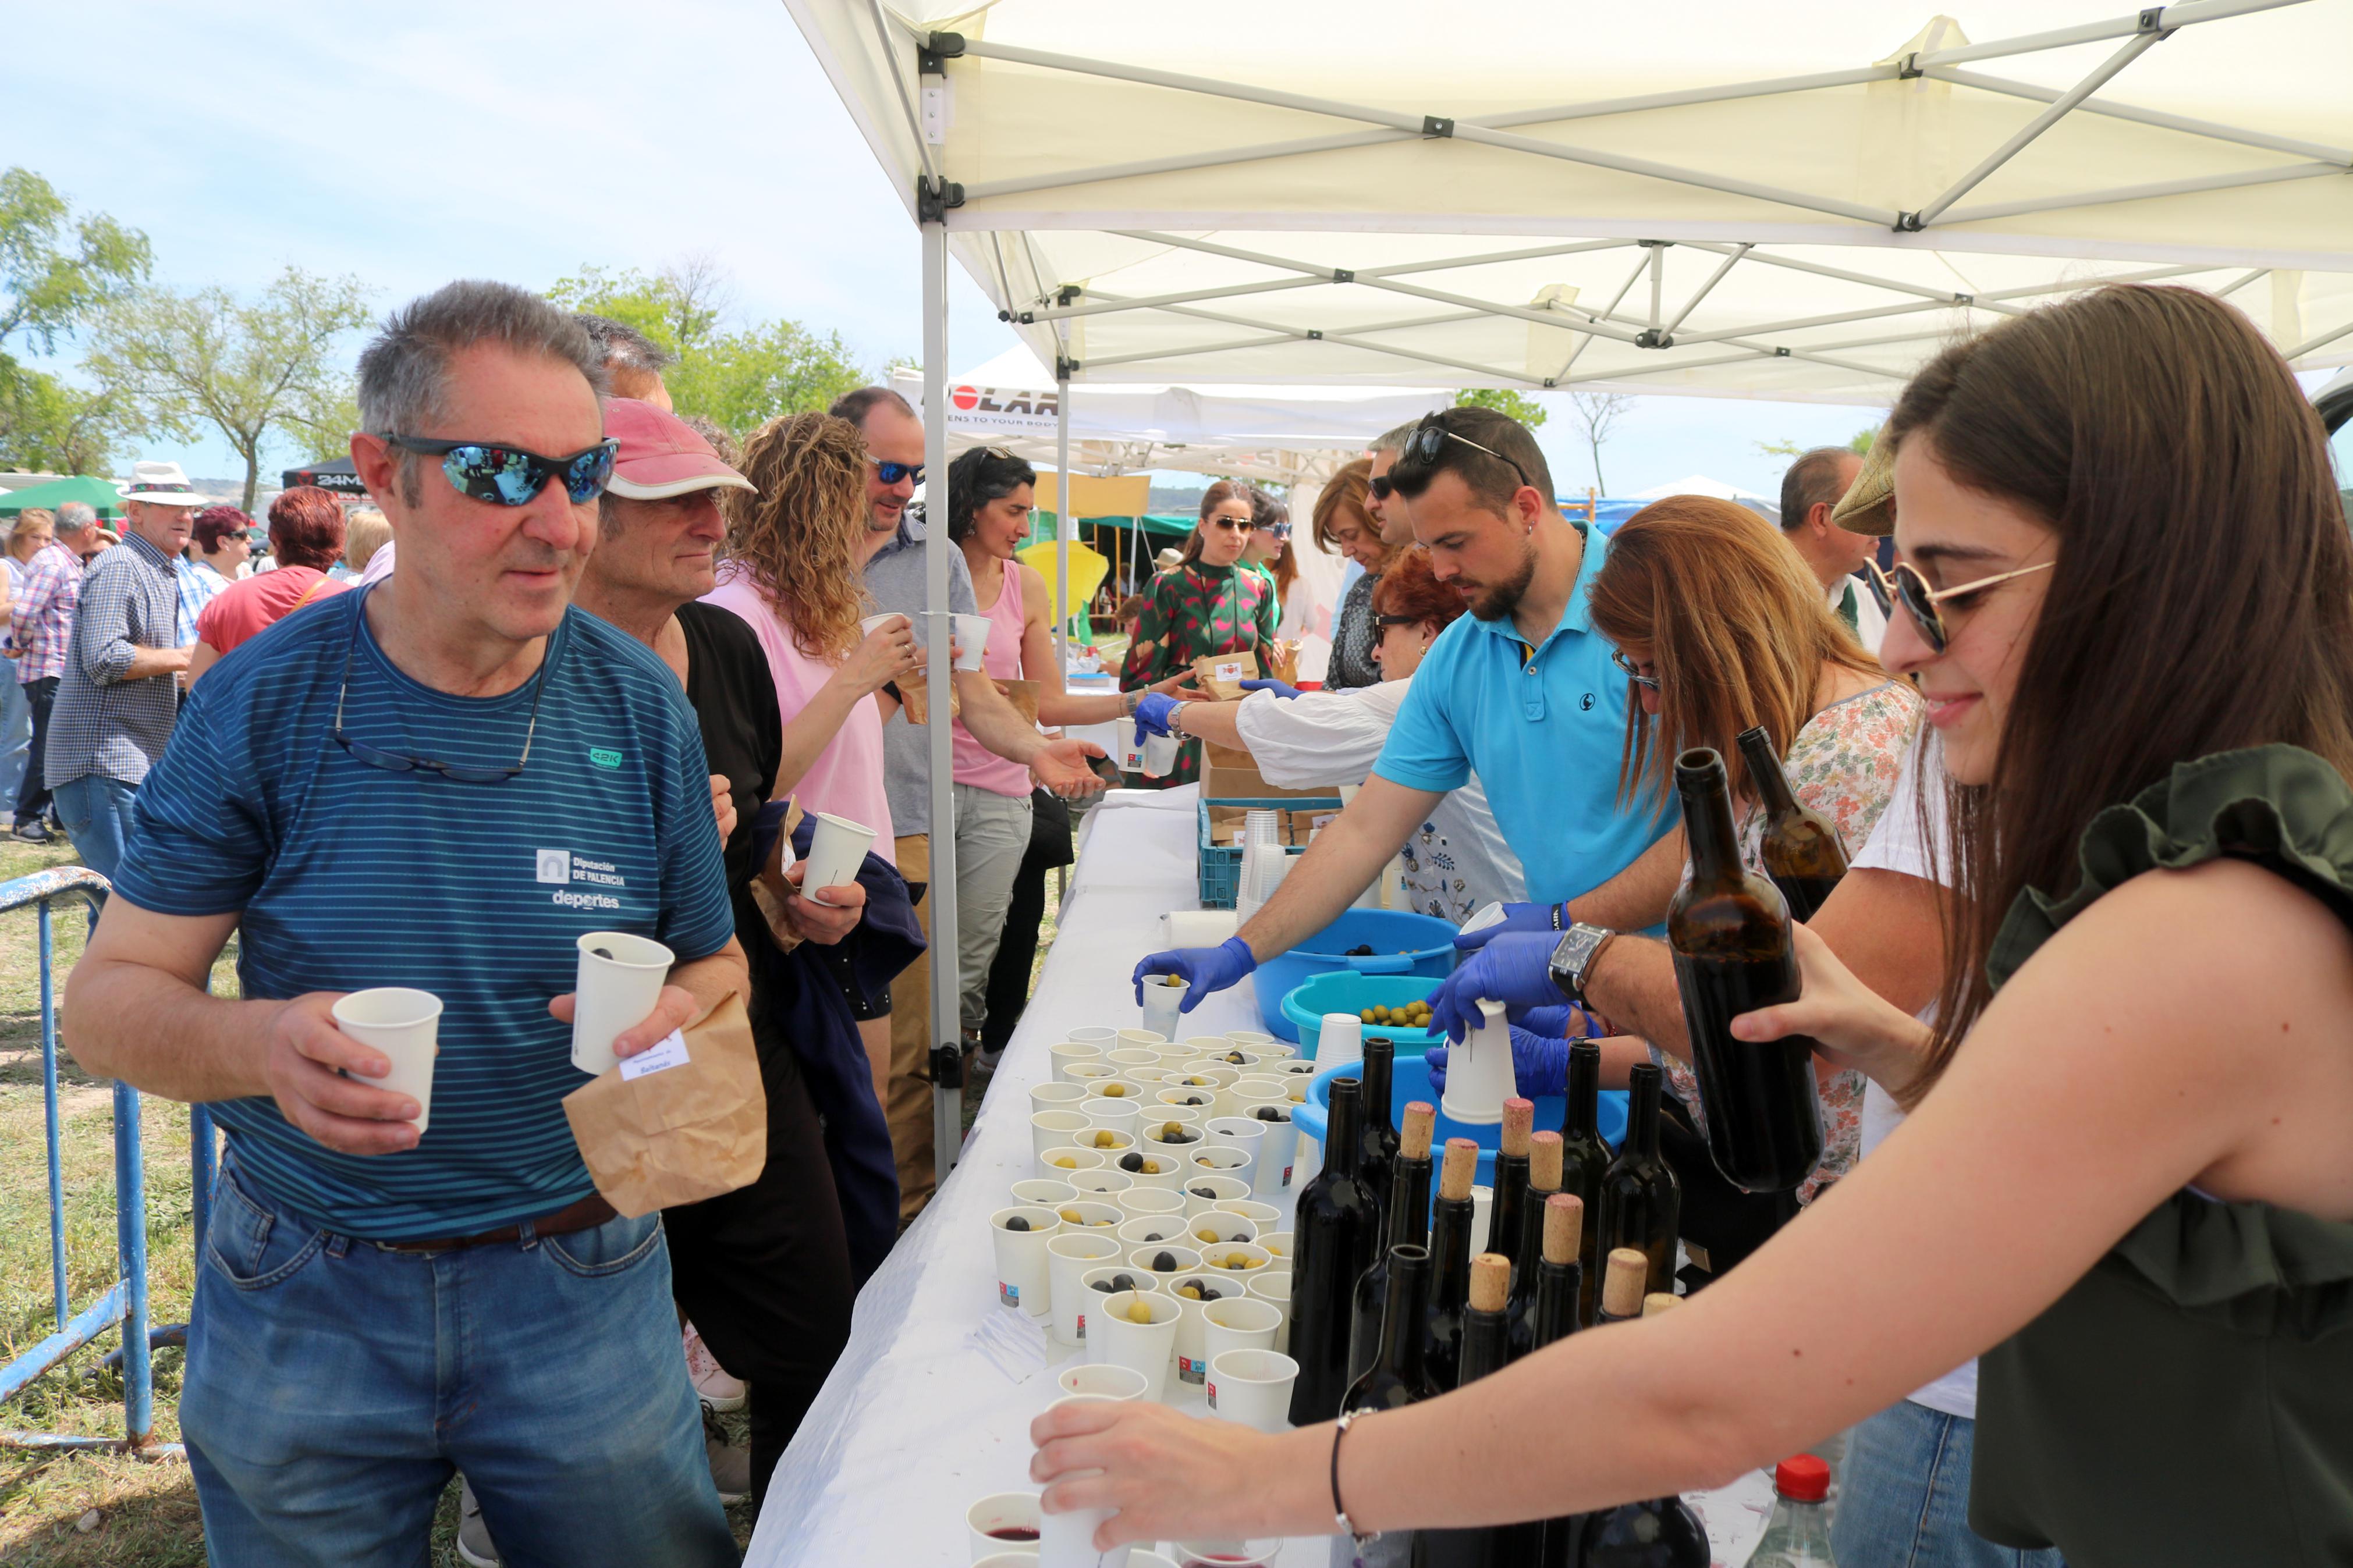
{"x":976,"y":764}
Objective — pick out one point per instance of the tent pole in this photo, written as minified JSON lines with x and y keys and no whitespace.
{"x":947,"y":990}
{"x":1065,"y":522}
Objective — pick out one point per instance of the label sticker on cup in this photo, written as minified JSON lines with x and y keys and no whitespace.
{"x":1083,"y":1328}
{"x":1008,"y":1294}
{"x":664,"y":1054}
{"x":1189,"y":1369}
{"x":1213,"y":1392}
{"x":1227,"y":670}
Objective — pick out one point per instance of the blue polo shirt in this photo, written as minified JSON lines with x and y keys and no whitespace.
{"x":345,"y":876}
{"x":1543,"y":728}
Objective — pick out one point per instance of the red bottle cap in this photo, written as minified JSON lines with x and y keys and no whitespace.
{"x":1804,"y":1478}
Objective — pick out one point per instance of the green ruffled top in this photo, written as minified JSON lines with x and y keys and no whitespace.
{"x":2189,"y":1400}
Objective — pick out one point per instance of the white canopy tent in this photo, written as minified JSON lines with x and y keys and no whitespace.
{"x":1799,"y":203}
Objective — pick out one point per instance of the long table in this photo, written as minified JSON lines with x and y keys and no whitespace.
{"x":929,"y":1409}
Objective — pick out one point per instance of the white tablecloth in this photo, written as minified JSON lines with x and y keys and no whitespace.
{"x":929,"y":1409}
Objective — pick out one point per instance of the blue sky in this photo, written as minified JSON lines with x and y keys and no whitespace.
{"x":415,"y":142}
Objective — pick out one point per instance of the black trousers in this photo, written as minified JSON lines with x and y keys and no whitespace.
{"x":33,"y":795}
{"x":1008,"y":991}
{"x":764,"y":1272}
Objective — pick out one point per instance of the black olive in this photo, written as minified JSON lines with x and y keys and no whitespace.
{"x":1205,"y":1193}
{"x":1269,"y":1113}
{"x":1016,"y":1223}
{"x":1130,"y":1161}
{"x":1362,"y":950}
{"x":1163,"y":1263}
{"x":1123,"y":1282}
{"x":1235,"y":1058}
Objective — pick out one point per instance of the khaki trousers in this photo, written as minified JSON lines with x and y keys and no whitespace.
{"x":908,"y":1107}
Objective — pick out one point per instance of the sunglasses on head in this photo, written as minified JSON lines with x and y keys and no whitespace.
{"x":1427,"y":442}
{"x":509,"y":476}
{"x":1905,"y":587}
{"x":891,"y":473}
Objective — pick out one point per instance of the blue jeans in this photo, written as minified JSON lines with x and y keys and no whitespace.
{"x":96,"y":811}
{"x":332,"y":1388}
{"x":1903,"y":1497}
{"x":15,"y":735}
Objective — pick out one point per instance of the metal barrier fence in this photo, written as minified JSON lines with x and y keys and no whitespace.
{"x":125,"y":1302}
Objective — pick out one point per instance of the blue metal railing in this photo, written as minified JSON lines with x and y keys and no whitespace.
{"x":125,"y":1302}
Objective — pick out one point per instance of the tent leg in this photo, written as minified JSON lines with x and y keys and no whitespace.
{"x":947,"y":1020}
{"x":1063,"y":525}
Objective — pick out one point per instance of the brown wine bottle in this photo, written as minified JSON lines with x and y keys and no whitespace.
{"x":1407,"y":1221}
{"x":1334,"y":1245}
{"x":1800,"y":849}
{"x":1730,"y":934}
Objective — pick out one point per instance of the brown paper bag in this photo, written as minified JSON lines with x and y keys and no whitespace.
{"x":915,"y":697}
{"x":682,"y":1133}
{"x":1023,"y":695}
{"x":1221,"y":674}
{"x":1282,"y":662}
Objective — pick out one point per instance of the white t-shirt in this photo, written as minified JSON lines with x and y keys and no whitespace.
{"x":1896,"y":845}
{"x":1455,"y":861}
{"x":1869,"y":620}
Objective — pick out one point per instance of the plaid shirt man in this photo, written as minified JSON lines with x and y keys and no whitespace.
{"x":41,"y":622}
{"x":198,"y":584}
{"x":103,"y":723}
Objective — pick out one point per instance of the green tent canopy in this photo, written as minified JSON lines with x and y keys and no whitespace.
{"x":99,"y":493}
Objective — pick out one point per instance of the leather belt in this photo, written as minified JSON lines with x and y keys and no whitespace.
{"x":586,"y":1214}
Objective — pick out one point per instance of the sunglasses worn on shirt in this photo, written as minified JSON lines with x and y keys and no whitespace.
{"x":1905,"y":587}
{"x":509,"y":476}
{"x":891,"y":473}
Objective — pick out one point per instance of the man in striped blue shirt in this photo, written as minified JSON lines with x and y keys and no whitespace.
{"x":440,"y":783}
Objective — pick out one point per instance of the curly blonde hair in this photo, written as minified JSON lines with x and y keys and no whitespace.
{"x":796,"y":538}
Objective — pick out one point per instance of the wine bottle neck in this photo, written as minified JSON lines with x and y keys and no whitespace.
{"x":1642,"y":1119}
{"x":1450,"y":1243}
{"x":1707,"y":828}
{"x":1765,"y":773}
{"x":1344,"y":1150}
{"x":1409,"y":1201}
{"x":1581,"y":1118}
{"x":1375,"y":1100}
{"x":1402,"y":1314}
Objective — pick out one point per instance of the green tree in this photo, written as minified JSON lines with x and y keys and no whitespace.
{"x":1502,"y":400}
{"x":740,"y":378}
{"x":260,"y":372}
{"x":1859,"y":443}
{"x":56,"y":271}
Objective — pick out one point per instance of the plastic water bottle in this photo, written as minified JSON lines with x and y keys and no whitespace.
{"x":1800,"y":1533}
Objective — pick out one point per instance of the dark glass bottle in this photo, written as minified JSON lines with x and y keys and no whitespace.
{"x":1449,"y":1262}
{"x":1584,"y":1159}
{"x":1641,"y":1199}
{"x":1730,"y":934}
{"x":1557,"y":1278}
{"x":1800,"y":849}
{"x":1335,"y":1236}
{"x":1485,"y":1348}
{"x":1397,"y":1376}
{"x":1528,"y":1254}
{"x":1377,"y":1165}
{"x":1506,"y":1212}
{"x":1406,"y":1225}
{"x":1662,"y":1532}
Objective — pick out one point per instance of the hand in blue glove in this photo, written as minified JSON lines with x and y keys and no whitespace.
{"x":1151,"y":710}
{"x":1517,"y":917}
{"x":1515,"y":969}
{"x":1570,"y":1022}
{"x":1281,"y":688}
{"x":1539,"y":1065}
{"x":1203,"y":969}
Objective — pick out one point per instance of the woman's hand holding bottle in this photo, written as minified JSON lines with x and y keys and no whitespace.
{"x":1853,"y":1025}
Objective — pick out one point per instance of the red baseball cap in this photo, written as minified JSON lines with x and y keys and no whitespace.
{"x":660,"y":455}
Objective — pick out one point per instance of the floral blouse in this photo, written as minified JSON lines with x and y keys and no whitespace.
{"x":1844,"y":765}
{"x":1190,"y":611}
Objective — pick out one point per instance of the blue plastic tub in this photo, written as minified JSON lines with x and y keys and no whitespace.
{"x":1345,"y":991}
{"x":1409,"y":1080}
{"x":1402,"y":944}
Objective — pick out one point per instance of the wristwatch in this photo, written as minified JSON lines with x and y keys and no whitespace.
{"x":1573,"y":959}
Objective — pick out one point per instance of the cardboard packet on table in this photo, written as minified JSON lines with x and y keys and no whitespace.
{"x":684,"y":1121}
{"x":1221,"y":674}
{"x":915,"y":697}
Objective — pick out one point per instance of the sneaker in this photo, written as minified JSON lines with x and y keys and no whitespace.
{"x":712,"y":1383}
{"x":33,"y":831}
{"x":731,"y":1467}
{"x":475,"y":1547}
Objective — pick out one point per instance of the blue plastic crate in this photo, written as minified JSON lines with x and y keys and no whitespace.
{"x":1221,"y":865}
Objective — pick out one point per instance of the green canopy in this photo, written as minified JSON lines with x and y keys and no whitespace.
{"x":99,"y":493}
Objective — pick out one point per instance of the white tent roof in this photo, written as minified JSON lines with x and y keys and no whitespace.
{"x":1697,"y":485}
{"x":1693,"y":195}
{"x":1283,"y":435}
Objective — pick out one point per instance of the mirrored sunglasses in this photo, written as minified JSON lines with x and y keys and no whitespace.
{"x":510,"y":475}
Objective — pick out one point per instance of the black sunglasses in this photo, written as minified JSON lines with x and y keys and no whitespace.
{"x":1382,"y":486}
{"x":1905,"y":587}
{"x":891,"y":473}
{"x":509,"y":476}
{"x":401,"y":761}
{"x":1398,"y":620}
{"x":1428,"y":442}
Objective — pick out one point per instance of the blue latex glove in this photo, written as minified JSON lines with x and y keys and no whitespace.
{"x":1517,"y":917}
{"x":1204,"y":969}
{"x":1539,"y":1065}
{"x":1515,"y":969}
{"x":1568,"y":1021}
{"x":1151,"y":710}
{"x":1281,"y":688}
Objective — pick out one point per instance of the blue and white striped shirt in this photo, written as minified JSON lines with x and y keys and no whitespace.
{"x":347,"y":876}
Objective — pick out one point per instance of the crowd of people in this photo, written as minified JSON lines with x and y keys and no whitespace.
{"x":605,"y":648}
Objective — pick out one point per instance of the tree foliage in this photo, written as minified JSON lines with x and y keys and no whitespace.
{"x":263,"y":373}
{"x":1518,"y":405}
{"x":1859,"y":443}
{"x":740,"y":377}
{"x":57,"y":271}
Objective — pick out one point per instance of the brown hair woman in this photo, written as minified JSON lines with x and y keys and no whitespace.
{"x":1207,"y":603}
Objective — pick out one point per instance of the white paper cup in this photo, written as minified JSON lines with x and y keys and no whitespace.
{"x":1142,"y":1039}
{"x":1277,"y":1244}
{"x":1211,"y":1232}
{"x":1097,"y":1035}
{"x":1067,"y":1540}
{"x":1207,"y":1044}
{"x":1156,"y":1168}
{"x":620,"y":979}
{"x":1340,"y":1039}
{"x":1091,"y":1300}
{"x":972,"y":640}
{"x":1272,"y":1285}
{"x":1177,"y":1091}
{"x":1126,"y":746}
{"x":1004,"y":1510}
{"x":1479,"y":1070}
{"x":1236,"y":1260}
{"x":1150,"y":1202}
{"x":1015,"y":1559}
{"x":1266,"y":1216}
{"x":1218,"y":1159}
{"x":1197,"y":928}
{"x":1483,"y":1211}
{"x":1238,"y":1324}
{"x":1194,"y":1117}
{"x":1251,"y":1387}
{"x":1111,"y":1143}
{"x":1071,"y":1256}
{"x":1192,"y":1364}
{"x":1069,"y":1054}
{"x":1055,"y":1094}
{"x":1100,"y":1185}
{"x":1052,"y":1129}
{"x":1134,"y":1056}
{"x":1108,"y":1084}
{"x":1276,"y":1152}
{"x":1148,"y":1082}
{"x":1118,"y":1115}
{"x":1090,"y":1072}
{"x":1250,"y":1039}
{"x":1096,"y":1218}
{"x":1187,"y":1259}
{"x":1269,"y":1052}
{"x":1188,"y":1141}
{"x":1247,"y":1133}
{"x":405,"y":1025}
{"x":1055,"y":1164}
{"x":1143,"y":1559}
{"x":837,"y":850}
{"x":1100,"y":1380}
{"x":1021,"y":1258}
{"x":1174,"y":1056}
{"x":1219,"y":1189}
{"x":1145,"y":1229}
{"x":1218,"y":1553}
{"x":1160,"y":755}
{"x":1146,"y":1348}
{"x":1044,"y":1193}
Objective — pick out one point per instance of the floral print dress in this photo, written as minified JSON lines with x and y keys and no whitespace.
{"x":1191,"y":611}
{"x":1844,"y":765}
